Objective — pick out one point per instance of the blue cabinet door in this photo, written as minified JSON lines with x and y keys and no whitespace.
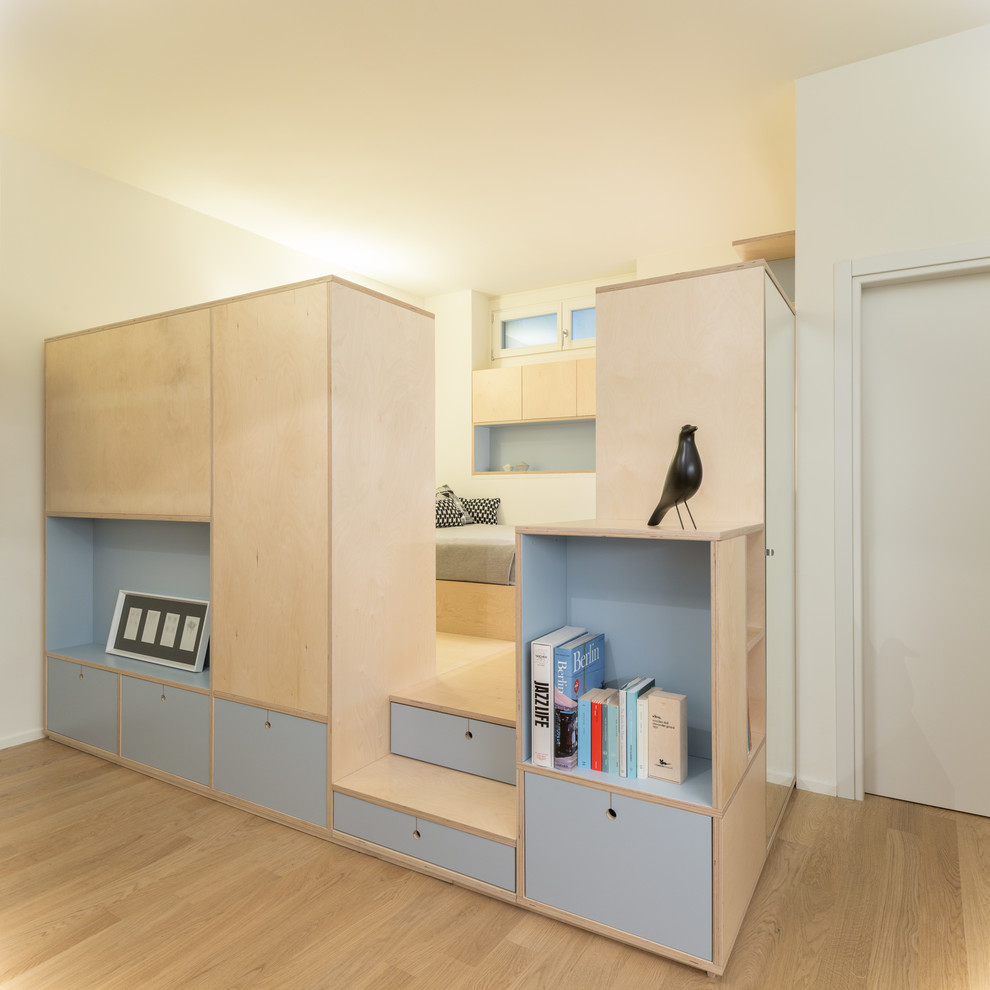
{"x":82,"y":703}
{"x":166,"y":727}
{"x":637,"y":866}
{"x":274,"y":760}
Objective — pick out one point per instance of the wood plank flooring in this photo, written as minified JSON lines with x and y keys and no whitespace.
{"x":110,"y":879}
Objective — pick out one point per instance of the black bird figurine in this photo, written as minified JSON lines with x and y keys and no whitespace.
{"x":683,"y":478}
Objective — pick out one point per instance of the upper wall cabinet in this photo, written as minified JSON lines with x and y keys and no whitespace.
{"x":548,"y":390}
{"x":127,"y":422}
{"x":541,"y":414}
{"x":497,"y":395}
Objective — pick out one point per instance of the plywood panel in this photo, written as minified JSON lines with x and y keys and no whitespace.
{"x":677,"y":351}
{"x":127,"y":419}
{"x":497,"y":395}
{"x":585,"y":387}
{"x":731,"y":734}
{"x":471,"y":609}
{"x":383,"y":533}
{"x":549,"y":391}
{"x":270,"y":638}
{"x":740,"y":842}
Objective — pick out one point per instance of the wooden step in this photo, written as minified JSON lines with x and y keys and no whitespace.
{"x":476,"y":678}
{"x":473,"y":804}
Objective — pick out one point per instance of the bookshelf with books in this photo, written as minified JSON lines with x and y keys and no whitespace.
{"x":672,"y":606}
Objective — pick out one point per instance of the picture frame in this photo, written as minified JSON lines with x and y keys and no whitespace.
{"x":174,"y":632}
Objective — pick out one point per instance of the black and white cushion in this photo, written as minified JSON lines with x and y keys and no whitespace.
{"x":450,"y":510}
{"x":482,"y":510}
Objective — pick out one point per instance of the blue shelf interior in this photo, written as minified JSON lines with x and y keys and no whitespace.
{"x":651,"y":599}
{"x":90,"y":560}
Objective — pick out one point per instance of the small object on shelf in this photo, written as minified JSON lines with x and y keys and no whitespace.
{"x":521,"y":466}
{"x":174,"y":632}
{"x":579,"y":665}
{"x":506,"y":467}
{"x":683,"y":478}
{"x":628,"y":715}
{"x":668,"y":746}
{"x":541,"y":661}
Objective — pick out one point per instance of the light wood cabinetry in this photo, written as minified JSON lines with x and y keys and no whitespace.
{"x":541,"y":414}
{"x":333,"y":705}
{"x":271,"y":452}
{"x":497,"y":395}
{"x":319,"y":392}
{"x":127,"y":419}
{"x":550,"y":390}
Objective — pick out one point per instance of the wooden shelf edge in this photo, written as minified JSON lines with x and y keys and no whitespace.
{"x":768,"y":247}
{"x":634,"y":787}
{"x":754,"y":636}
{"x":477,"y":805}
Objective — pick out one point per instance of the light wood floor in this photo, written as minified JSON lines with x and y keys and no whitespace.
{"x":110,"y":879}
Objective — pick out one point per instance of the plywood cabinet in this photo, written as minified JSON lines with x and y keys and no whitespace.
{"x":271,"y":563}
{"x":673,"y":606}
{"x":127,"y":419}
{"x":549,"y":390}
{"x":319,"y":394}
{"x":497,"y":395}
{"x":541,"y":414}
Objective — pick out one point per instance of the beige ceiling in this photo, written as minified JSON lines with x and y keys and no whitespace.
{"x":438,"y":145}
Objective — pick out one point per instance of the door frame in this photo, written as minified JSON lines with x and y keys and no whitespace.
{"x":851,"y":278}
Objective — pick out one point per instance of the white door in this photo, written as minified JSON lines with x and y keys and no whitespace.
{"x":925,"y":517}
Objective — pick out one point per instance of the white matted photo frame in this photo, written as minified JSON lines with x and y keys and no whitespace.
{"x":174,"y":632}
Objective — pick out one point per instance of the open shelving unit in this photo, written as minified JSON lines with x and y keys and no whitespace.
{"x":683,"y":607}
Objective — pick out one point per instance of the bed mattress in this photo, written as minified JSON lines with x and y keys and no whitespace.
{"x":481,"y":553}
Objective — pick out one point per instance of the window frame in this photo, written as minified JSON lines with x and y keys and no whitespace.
{"x":561,"y":308}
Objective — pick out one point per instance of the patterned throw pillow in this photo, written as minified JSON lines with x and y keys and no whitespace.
{"x":482,"y":510}
{"x":450,"y":510}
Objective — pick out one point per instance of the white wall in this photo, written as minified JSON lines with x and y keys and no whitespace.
{"x":893,"y":154}
{"x":79,"y":250}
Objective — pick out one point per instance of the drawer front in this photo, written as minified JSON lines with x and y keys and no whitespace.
{"x":481,"y":748}
{"x":462,"y":852}
{"x":646,"y":871}
{"x":165,"y":727}
{"x":82,"y":703}
{"x":281,"y":765}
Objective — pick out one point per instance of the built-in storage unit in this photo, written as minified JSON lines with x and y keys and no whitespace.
{"x":539,"y":414}
{"x":235,"y":452}
{"x":715,"y":349}
{"x":639,"y":856}
{"x":298,"y":429}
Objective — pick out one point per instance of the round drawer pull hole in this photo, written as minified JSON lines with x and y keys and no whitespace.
{"x":163,"y":698}
{"x":469,"y":734}
{"x":268,"y":724}
{"x":416,"y":833}
{"x":611,"y":814}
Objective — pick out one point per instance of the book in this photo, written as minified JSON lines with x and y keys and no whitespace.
{"x":667,"y":742}
{"x":642,"y":731}
{"x":579,"y":665}
{"x":610,"y":733}
{"x":597,"y":696}
{"x":622,"y":723}
{"x":632,"y":693}
{"x":584,"y":730}
{"x":541,"y":661}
